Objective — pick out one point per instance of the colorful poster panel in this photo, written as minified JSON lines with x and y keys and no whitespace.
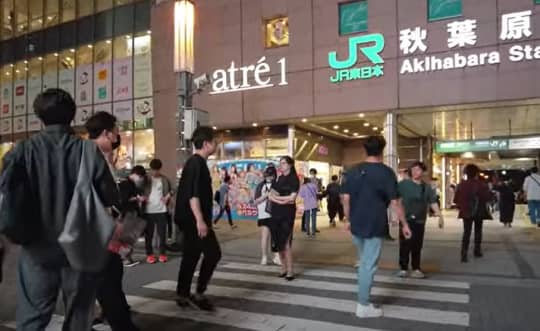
{"x":102,"y":82}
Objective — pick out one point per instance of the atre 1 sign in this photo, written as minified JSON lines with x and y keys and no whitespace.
{"x":249,"y":77}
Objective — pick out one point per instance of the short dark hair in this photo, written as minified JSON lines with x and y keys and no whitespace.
{"x":335,"y":178}
{"x":534,"y":170}
{"x":418,"y":164}
{"x":55,"y":106}
{"x":471,"y":170}
{"x":99,"y":122}
{"x":307,"y":180}
{"x":156,"y":164}
{"x":375,"y":145}
{"x":202,"y":134}
{"x":270,"y":171}
{"x":313,"y":171}
{"x":227,"y":179}
{"x":138,"y":170}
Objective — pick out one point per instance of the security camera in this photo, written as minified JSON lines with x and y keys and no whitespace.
{"x":201,"y":82}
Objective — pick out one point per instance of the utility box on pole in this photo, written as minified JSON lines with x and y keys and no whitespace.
{"x":193,"y":118}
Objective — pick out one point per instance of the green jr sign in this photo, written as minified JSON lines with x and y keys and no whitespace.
{"x":462,"y":146}
{"x":371,"y":46}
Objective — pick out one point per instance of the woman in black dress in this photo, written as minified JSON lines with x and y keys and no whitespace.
{"x":283,"y":198}
{"x":507,"y":203}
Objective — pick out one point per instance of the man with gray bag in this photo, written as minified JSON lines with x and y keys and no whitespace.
{"x":43,"y":175}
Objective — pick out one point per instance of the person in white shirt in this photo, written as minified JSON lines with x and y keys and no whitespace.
{"x":158,"y":192}
{"x":531,"y":187}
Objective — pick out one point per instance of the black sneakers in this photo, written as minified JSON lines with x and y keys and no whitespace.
{"x":197,"y":301}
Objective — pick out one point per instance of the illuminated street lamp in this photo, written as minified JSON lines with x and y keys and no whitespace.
{"x":184,"y":26}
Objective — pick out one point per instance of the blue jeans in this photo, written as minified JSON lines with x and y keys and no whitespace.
{"x":310,"y":215}
{"x":369,"y":251}
{"x":534,"y":211}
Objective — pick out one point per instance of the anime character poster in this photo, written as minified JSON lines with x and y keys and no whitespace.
{"x":245,"y":175}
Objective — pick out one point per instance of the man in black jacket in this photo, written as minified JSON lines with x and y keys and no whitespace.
{"x":52,"y":160}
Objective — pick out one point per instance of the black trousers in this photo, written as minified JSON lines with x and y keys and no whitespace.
{"x":158,"y":221}
{"x":194,"y":246}
{"x":467,"y":230}
{"x":335,"y":209}
{"x":223,"y":209}
{"x":411,"y":247}
{"x":112,"y":298}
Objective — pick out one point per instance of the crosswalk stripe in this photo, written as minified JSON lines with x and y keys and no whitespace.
{"x":352,"y":275}
{"x":56,"y":324}
{"x":347,"y":306}
{"x":234,"y":318}
{"x":339,"y":287}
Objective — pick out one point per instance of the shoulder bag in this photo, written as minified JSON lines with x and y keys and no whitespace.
{"x":89,"y":225}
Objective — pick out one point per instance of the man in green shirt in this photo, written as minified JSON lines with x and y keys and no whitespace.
{"x":417,"y":197}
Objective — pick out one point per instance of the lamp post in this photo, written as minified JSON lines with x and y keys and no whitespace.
{"x":184,"y":25}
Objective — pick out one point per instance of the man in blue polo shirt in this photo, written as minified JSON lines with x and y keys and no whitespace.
{"x":369,"y":189}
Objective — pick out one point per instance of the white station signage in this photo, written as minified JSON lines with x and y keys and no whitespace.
{"x":251,"y":77}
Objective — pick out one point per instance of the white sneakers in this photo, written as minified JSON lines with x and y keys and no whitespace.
{"x":264,"y":260}
{"x":415,"y":274}
{"x":276,"y":260}
{"x":369,"y":311}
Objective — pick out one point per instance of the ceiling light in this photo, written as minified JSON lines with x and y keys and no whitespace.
{"x":108,"y":41}
{"x":214,"y":127}
{"x":366,"y":124}
{"x":361,"y":115}
{"x":255,"y":125}
{"x":90,"y":46}
{"x":25,"y":62}
{"x":40,"y":58}
{"x":128,"y":37}
{"x":375,"y":128}
{"x":467,"y":155}
{"x":148,"y":32}
{"x":56,"y":54}
{"x":72,"y":50}
{"x":228,"y":131}
{"x":336,"y":127}
{"x":346,"y":131}
{"x":504,"y":172}
{"x":355,"y":134}
{"x":12,"y":65}
{"x":17,"y":71}
{"x":304,"y":120}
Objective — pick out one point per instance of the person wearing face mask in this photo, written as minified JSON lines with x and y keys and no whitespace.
{"x":264,"y":218}
{"x":131,"y":200}
{"x":102,"y":129}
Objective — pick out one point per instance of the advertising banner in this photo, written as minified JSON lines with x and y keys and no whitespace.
{"x":19,"y":99}
{"x":84,"y":85}
{"x":102,"y":82}
{"x":123,"y":77}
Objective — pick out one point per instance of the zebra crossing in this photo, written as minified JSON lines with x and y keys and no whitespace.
{"x":251,"y":297}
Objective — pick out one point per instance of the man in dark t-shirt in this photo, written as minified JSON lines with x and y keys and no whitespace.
{"x":369,"y":189}
{"x":194,"y":218}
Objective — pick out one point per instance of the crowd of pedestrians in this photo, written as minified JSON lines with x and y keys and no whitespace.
{"x":46,"y":170}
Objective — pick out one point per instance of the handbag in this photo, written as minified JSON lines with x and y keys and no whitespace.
{"x":133,"y":227}
{"x":89,"y":225}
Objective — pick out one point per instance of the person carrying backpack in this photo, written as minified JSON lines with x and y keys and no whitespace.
{"x":471,"y":198}
{"x":417,"y":197}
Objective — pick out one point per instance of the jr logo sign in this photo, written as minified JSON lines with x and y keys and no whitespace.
{"x":371,"y":46}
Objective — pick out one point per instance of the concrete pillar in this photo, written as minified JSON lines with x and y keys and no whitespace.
{"x":390,"y":134}
{"x":290,"y":140}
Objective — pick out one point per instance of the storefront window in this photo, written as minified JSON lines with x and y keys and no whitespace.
{"x":102,"y":5}
{"x":144,"y":147}
{"x":50,"y":71}
{"x":35,"y":76}
{"x":232,"y":150}
{"x":84,"y":75}
{"x":442,"y":9}
{"x":36,"y":15}
{"x":6,"y":96}
{"x":52,"y":12}
{"x":86,"y":7}
{"x":68,"y":10}
{"x":353,"y":17}
{"x":66,"y":74}
{"x":125,"y":151}
{"x":123,"y":68}
{"x":254,"y":149}
{"x":21,"y":16}
{"x":276,"y":147}
{"x":19,"y":95}
{"x":7,"y":19}
{"x":103,"y":72}
{"x":142,"y":82}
